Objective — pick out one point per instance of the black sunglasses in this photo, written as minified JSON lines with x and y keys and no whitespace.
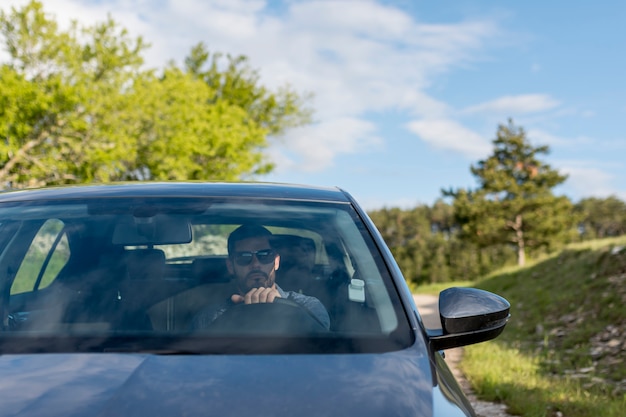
{"x":265,"y":256}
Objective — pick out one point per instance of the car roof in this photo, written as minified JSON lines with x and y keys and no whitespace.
{"x":181,"y":189}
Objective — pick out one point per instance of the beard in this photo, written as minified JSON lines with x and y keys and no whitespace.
{"x":256,"y":279}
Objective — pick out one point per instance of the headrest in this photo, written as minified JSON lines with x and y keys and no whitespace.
{"x":211,"y":269}
{"x":292,"y":241}
{"x":145,"y":263}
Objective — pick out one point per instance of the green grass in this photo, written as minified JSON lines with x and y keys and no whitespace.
{"x":542,"y":364}
{"x":436,"y":288}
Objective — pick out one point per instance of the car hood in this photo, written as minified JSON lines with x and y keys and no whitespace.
{"x":113,"y":384}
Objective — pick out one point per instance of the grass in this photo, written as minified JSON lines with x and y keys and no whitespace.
{"x":436,"y":288}
{"x":563,"y":351}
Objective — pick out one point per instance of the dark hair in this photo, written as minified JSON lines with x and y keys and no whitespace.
{"x":246,"y":231}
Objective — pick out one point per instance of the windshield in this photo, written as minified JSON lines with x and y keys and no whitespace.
{"x":159,"y":275}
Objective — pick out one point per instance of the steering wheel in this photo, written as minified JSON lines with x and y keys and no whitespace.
{"x":292,"y":303}
{"x":282,"y":316}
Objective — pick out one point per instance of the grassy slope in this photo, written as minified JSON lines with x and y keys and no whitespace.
{"x":564,"y":351}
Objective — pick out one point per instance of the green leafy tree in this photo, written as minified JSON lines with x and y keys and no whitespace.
{"x":602,"y":217}
{"x":426,"y":244}
{"x":179,"y":136}
{"x":233,"y":80}
{"x":406,"y":232}
{"x":514,"y":203}
{"x":64,"y":92}
{"x":78,"y":106}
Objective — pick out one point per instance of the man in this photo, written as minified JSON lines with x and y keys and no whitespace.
{"x":253,"y":263}
{"x":297,"y":262}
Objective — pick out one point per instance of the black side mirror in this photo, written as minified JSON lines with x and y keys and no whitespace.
{"x":468,"y":316}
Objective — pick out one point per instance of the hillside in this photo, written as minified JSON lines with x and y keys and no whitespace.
{"x":564,"y":351}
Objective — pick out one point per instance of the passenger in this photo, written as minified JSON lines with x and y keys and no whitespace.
{"x":253,"y":263}
{"x":297,"y":263}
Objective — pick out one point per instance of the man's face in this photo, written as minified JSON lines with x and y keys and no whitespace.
{"x":305,"y":255}
{"x":299,"y":254}
{"x":253,"y":263}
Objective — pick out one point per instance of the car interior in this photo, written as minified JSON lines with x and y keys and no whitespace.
{"x":154,"y":272}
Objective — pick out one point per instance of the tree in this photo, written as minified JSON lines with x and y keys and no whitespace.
{"x":233,"y":80}
{"x":513,"y":203}
{"x":78,"y":106}
{"x":61,"y":123}
{"x":602,"y":217}
{"x":406,"y":232}
{"x":178,"y":136}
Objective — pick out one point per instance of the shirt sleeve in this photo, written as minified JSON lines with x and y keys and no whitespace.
{"x":208,"y":315}
{"x":315,"y":306}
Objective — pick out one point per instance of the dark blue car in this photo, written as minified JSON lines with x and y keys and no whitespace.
{"x":128,"y":300}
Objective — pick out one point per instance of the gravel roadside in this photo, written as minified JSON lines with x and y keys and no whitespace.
{"x":427,"y":306}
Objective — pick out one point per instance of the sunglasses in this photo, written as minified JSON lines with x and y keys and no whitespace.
{"x":265,"y":256}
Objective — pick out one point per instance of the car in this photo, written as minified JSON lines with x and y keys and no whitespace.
{"x":102,"y":286}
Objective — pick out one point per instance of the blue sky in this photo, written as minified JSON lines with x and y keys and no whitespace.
{"x":408,"y":94}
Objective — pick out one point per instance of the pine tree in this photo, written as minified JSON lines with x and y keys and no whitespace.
{"x":514,"y":203}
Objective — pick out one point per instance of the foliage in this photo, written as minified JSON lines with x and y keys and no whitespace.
{"x":512,"y":212}
{"x":563,"y":349}
{"x":424,"y":241}
{"x":602,"y":217}
{"x":514,"y":203}
{"x":78,"y":106}
{"x":179,"y":137}
{"x":239,"y":85}
{"x":478,"y":234}
{"x":426,"y":245}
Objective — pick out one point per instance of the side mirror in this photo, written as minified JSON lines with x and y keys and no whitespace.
{"x":468,"y":316}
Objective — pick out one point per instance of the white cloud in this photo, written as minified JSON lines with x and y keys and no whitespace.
{"x":539,"y":137}
{"x":350,"y":17}
{"x":358,"y":57}
{"x":589,"y":178}
{"x":450,"y":135}
{"x":424,"y":106}
{"x":511,"y":105}
{"x":589,"y":181}
{"x":313,"y":148}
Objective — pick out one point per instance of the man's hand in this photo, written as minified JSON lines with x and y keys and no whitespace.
{"x":257,"y":295}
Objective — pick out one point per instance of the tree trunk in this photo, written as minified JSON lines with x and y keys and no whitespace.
{"x":521,"y":255}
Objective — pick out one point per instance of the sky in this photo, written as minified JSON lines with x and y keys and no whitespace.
{"x":408,"y":94}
